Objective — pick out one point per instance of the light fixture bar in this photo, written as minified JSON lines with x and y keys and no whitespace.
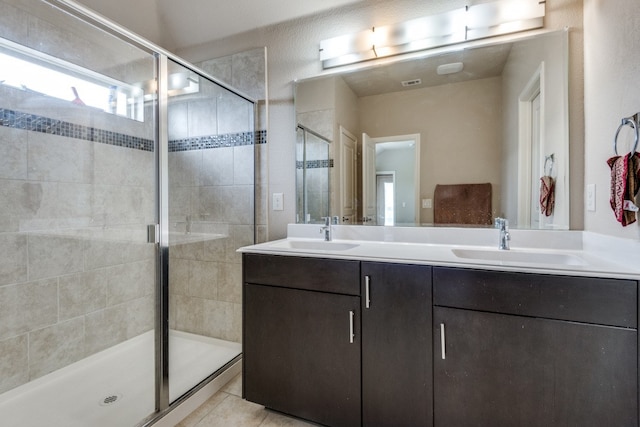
{"x":456,"y":26}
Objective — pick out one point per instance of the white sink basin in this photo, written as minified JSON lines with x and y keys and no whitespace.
{"x":519,"y":256}
{"x":314,"y":245}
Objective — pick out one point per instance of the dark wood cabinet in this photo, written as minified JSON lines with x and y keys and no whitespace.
{"x":360,"y":343}
{"x":499,"y":369}
{"x":302,"y":346}
{"x":396,"y":345}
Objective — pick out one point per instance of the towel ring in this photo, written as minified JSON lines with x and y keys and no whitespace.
{"x":548,"y":159}
{"x":631,"y":122}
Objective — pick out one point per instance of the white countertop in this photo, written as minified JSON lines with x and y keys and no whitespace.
{"x":555,"y":252}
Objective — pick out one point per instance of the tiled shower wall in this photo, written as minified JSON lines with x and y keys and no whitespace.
{"x":76,"y":273}
{"x":247,"y":72}
{"x":76,"y":193}
{"x":214,"y":189}
{"x":210,"y":195}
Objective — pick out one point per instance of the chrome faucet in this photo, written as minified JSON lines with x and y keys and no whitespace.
{"x":326,"y":228}
{"x":505,"y":236}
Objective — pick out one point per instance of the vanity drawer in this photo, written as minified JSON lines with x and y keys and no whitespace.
{"x":316,"y":274}
{"x":581,"y":299}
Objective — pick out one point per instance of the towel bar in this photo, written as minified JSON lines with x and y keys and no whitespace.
{"x":634,"y":122}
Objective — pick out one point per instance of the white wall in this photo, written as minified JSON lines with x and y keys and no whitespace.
{"x":612,"y":91}
{"x":293,"y":54}
{"x":524,"y":60}
{"x":435,"y":113}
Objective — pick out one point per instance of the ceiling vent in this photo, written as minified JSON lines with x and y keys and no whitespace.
{"x":409,"y":83}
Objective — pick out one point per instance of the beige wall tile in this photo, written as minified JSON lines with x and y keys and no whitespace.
{"x":189,"y":316}
{"x":102,"y":253}
{"x":28,"y":306}
{"x":218,"y":319}
{"x":51,"y":256}
{"x":178,"y":276}
{"x":82,"y":293}
{"x":202,"y":116}
{"x":105,"y":328}
{"x":243,"y":161}
{"x":141,"y":315}
{"x":13,"y":153}
{"x":130,"y":281}
{"x":14,"y":367}
{"x":230,"y":287}
{"x":55,"y":347}
{"x":204,"y":277}
{"x":56,"y":158}
{"x":218,"y":166}
{"x":185,"y":168}
{"x":13,"y":258}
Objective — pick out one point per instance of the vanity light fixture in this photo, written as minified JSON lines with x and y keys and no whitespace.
{"x":456,"y":26}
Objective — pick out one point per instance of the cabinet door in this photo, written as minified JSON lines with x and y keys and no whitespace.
{"x":503,"y":370}
{"x":299,"y":355}
{"x":396,"y":345}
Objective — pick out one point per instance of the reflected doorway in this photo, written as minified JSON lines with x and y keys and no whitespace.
{"x":399,"y":157}
{"x":386,"y":204}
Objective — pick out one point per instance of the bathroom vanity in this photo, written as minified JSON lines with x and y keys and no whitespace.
{"x":347,"y":340}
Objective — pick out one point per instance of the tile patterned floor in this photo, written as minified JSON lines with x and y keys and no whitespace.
{"x":226,"y":408}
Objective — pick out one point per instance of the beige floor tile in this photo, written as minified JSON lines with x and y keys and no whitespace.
{"x":234,"y":411}
{"x":234,"y":386}
{"x":227,"y":408}
{"x":274,"y":419}
{"x":203,"y":410}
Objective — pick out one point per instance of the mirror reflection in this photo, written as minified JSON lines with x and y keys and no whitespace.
{"x":483,"y":133}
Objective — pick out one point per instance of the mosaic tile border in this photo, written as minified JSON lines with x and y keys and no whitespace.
{"x":36,"y":123}
{"x":218,"y":141}
{"x":42,"y":124}
{"x":315,"y":164}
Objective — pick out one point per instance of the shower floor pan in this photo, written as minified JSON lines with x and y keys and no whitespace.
{"x":114,"y":387}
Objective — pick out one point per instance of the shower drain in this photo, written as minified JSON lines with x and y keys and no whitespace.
{"x":110,"y":399}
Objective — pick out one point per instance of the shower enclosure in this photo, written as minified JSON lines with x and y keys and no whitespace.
{"x":312,"y":176}
{"x":126,"y":185}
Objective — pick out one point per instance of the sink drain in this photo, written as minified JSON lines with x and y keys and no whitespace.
{"x":110,"y":399}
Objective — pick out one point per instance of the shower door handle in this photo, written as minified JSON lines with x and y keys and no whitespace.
{"x":153,"y":233}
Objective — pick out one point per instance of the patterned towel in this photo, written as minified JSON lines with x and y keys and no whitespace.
{"x":625,"y":182}
{"x":547,"y":194}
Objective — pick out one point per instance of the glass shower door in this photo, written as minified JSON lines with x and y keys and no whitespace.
{"x":77,"y":190}
{"x":211,"y":214}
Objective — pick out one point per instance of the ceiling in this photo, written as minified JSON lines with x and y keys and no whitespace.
{"x":179,"y":24}
{"x":479,"y":63}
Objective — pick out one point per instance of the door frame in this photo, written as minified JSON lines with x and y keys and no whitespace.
{"x":533,"y":88}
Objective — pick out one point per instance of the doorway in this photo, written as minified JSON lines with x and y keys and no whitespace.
{"x":386,"y":196}
{"x":398,"y":156}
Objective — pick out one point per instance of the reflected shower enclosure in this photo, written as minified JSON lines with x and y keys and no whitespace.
{"x":126,"y":186}
{"x":312,"y":176}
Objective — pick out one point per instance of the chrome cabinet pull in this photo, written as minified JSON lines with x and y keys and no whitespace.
{"x":442,"y":341}
{"x":351,"y":334}
{"x":367,"y":300}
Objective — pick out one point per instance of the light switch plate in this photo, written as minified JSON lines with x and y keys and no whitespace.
{"x":427,"y":203}
{"x":278,"y":202}
{"x":591,"y":197}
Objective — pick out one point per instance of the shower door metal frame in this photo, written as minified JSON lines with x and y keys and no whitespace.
{"x":161,"y":240}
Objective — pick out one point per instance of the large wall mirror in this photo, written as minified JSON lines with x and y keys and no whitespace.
{"x":454,"y":138}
